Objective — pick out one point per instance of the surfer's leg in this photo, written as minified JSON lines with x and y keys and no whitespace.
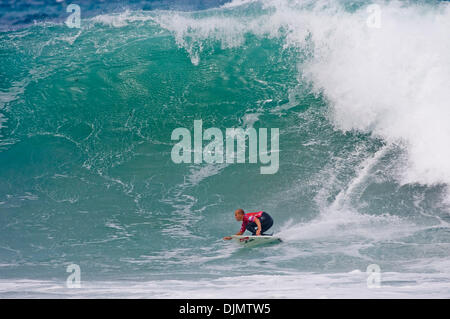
{"x":266,"y":222}
{"x":251,"y":227}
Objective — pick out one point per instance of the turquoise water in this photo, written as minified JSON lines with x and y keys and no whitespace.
{"x":86,"y":117}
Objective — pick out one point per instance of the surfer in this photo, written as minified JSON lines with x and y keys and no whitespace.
{"x":256,"y":223}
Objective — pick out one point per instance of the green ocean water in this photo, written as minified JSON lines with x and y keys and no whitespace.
{"x":86,"y":117}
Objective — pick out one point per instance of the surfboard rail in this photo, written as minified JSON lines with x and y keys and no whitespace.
{"x":255,"y":240}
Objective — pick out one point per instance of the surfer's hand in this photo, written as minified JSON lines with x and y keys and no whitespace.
{"x":258,"y":233}
{"x":227,"y":238}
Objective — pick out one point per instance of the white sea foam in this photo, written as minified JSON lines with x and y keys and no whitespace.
{"x":344,"y":225}
{"x":391,"y":81}
{"x":120,"y":19}
{"x":352,"y":284}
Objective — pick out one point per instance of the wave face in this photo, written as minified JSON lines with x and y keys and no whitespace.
{"x":86,"y":178}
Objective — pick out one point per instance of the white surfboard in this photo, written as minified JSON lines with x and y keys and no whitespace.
{"x":255,"y":240}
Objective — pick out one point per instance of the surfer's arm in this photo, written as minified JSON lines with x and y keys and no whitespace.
{"x":258,"y":223}
{"x":239,"y":233}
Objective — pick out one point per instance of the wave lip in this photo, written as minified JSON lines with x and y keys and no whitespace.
{"x":391,"y":81}
{"x":21,"y":14}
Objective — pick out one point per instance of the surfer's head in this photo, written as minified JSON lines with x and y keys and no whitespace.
{"x":239,"y":214}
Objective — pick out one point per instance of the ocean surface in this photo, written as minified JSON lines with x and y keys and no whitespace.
{"x":86,"y":175}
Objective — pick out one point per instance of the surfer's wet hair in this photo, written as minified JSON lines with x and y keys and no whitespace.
{"x":240,"y":211}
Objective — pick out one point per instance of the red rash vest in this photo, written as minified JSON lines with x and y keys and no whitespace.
{"x":248,"y":218}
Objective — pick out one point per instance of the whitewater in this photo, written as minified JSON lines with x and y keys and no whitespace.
{"x":86,"y":117}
